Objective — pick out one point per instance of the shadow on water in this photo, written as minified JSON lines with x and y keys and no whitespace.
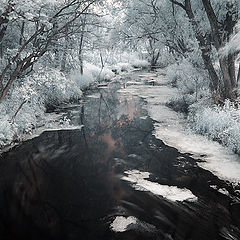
{"x":67,"y":184}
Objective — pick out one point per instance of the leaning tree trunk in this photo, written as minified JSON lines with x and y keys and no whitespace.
{"x":80,"y":55}
{"x":204,"y":46}
{"x":238,"y":77}
{"x":231,"y":69}
{"x":227,"y":64}
{"x":80,"y":52}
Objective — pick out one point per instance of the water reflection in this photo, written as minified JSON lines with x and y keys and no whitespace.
{"x":67,"y":184}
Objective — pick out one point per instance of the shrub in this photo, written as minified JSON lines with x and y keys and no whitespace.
{"x":26,"y":104}
{"x":218,"y":123}
{"x":187,"y":78}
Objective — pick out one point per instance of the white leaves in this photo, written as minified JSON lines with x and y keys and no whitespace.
{"x":47,"y":86}
{"x":219,"y":123}
{"x":233,"y":45}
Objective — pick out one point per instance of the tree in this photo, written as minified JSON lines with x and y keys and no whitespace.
{"x":141,"y":27}
{"x":42,"y":23}
{"x":232,"y":47}
{"x":221,"y":29}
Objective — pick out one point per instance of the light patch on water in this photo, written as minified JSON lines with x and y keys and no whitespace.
{"x":223,"y":191}
{"x":96,"y":96}
{"x":213,"y":187}
{"x":172,"y":193}
{"x":133,"y":155}
{"x":169,"y":129}
{"x":121,"y":223}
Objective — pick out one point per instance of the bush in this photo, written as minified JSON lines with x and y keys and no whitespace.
{"x":218,"y":123}
{"x":187,"y":78}
{"x":26,"y":104}
{"x":90,"y":75}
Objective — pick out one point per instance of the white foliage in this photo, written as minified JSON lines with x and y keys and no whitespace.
{"x":218,"y":123}
{"x":187,"y":78}
{"x":137,"y":63}
{"x":25,"y":106}
{"x":121,"y":67}
{"x":7,"y":130}
{"x":91,"y":74}
{"x":233,"y":45}
{"x":55,"y":87}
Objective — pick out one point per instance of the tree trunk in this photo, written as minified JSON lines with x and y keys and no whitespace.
{"x":13,"y":76}
{"x":231,"y":69}
{"x":227,"y":64}
{"x":204,"y":46}
{"x":228,"y":90}
{"x":154,"y":53}
{"x":215,"y":82}
{"x":64,"y":57}
{"x":238,"y":77}
{"x":213,"y":22}
{"x":80,"y":57}
{"x":22,"y":33}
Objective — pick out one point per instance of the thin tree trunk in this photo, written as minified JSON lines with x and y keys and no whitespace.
{"x":10,"y":82}
{"x":238,"y":77}
{"x":80,"y":57}
{"x":231,"y":69}
{"x":64,"y":57}
{"x":22,"y":33}
{"x":18,"y":110}
{"x":101,"y":58}
{"x":213,"y":22}
{"x":215,"y":82}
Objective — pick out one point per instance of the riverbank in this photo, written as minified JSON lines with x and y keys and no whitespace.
{"x":207,"y":114}
{"x":173,"y":127}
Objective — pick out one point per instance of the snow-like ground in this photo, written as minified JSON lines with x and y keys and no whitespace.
{"x":139,"y":182}
{"x":171,"y":128}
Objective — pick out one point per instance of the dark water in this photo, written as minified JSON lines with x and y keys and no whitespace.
{"x":67,"y":184}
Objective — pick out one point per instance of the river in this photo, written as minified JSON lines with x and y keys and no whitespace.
{"x":111,"y":177}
